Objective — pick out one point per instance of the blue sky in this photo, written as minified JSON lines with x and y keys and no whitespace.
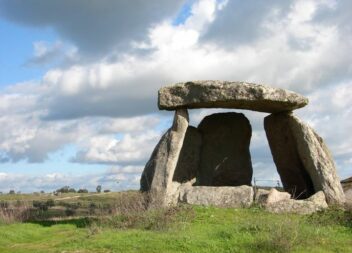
{"x":79,"y":81}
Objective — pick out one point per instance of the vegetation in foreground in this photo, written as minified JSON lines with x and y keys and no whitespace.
{"x":131,"y":227}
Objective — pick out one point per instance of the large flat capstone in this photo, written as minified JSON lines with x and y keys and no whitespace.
{"x":225,"y":94}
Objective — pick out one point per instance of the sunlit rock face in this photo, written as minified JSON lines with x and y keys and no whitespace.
{"x":224,"y":94}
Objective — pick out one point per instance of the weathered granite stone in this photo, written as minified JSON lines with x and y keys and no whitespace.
{"x":225,"y":158}
{"x":159,"y":170}
{"x":317,"y":161}
{"x":260,"y":195}
{"x":240,"y":196}
{"x":294,"y":177}
{"x":303,"y":160}
{"x":224,"y":94}
{"x":188,"y":162}
{"x":346,"y":183}
{"x":313,"y":204}
{"x":348,"y":194}
{"x":276,"y":196}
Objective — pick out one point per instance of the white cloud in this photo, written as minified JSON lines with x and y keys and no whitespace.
{"x":128,"y":149}
{"x":94,"y":27}
{"x":46,"y":53}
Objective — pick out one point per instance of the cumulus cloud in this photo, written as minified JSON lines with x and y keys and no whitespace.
{"x":95,"y":27}
{"x":26,"y":136}
{"x":51,"y":53}
{"x":299,"y":53}
{"x":127,"y":150}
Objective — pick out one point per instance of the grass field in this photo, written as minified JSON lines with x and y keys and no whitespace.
{"x":182,"y":229}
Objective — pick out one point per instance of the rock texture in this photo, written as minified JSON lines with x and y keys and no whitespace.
{"x":315,"y":203}
{"x":225,"y":158}
{"x":223,"y":94}
{"x":317,"y":161}
{"x":240,"y":196}
{"x":346,"y":183}
{"x":302,"y":158}
{"x":293,"y":174}
{"x":159,"y":170}
{"x":276,"y":196}
{"x":260,"y":195}
{"x":348,"y":194}
{"x":189,"y":159}
{"x":347,"y":188}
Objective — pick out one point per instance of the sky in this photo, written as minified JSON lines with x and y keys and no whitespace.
{"x":79,"y":80}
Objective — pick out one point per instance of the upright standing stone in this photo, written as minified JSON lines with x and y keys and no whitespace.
{"x":225,"y":157}
{"x":302,"y":158}
{"x":294,"y":176}
{"x":159,"y":170}
{"x":317,"y":161}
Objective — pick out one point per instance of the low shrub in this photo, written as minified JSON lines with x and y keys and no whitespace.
{"x":334,"y":215}
{"x":151,"y":219}
{"x":14,"y":214}
{"x":70,"y":212}
{"x":43,"y":205}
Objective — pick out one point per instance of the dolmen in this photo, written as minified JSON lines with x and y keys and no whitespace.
{"x":211,"y":164}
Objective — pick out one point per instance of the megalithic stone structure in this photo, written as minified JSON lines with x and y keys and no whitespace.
{"x":302,"y":158}
{"x":189,"y":163}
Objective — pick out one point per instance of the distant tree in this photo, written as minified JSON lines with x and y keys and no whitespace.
{"x":66,"y":189}
{"x":98,"y":189}
{"x":82,"y":191}
{"x":42,"y":192}
{"x":107,"y":190}
{"x":72,"y":190}
{"x":12,"y":192}
{"x":43,"y":205}
{"x":63,"y":189}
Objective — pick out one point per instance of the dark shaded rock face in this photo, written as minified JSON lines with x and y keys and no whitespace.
{"x":302,"y":158}
{"x":293,"y":175}
{"x":188,"y":162}
{"x":225,"y":158}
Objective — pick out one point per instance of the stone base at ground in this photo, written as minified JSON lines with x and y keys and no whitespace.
{"x":239,"y":196}
{"x":348,"y":195}
{"x":313,"y":204}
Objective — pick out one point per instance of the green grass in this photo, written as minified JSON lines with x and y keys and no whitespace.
{"x":45,"y":196}
{"x":198,"y":229}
